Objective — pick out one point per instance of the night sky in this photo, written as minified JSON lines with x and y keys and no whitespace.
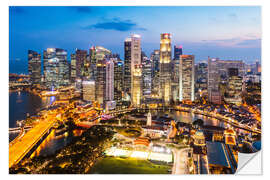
{"x":224,"y":32}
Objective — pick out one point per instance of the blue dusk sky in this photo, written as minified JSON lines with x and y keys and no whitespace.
{"x":224,"y":32}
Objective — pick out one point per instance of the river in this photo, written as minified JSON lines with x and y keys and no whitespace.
{"x":21,"y":103}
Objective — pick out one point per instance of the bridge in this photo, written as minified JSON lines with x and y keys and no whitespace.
{"x":20,"y":147}
{"x":17,"y":84}
{"x":18,"y":129}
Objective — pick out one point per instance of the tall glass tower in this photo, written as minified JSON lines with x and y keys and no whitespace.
{"x":165,"y":68}
{"x":34,"y":67}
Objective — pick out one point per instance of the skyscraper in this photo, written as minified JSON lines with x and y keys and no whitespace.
{"x":118,"y":79}
{"x":234,"y":87}
{"x":88,"y":90}
{"x":165,"y":68}
{"x":155,"y":72}
{"x":34,"y":67}
{"x":98,"y":67}
{"x":73,"y":74}
{"x":56,"y":67}
{"x":109,"y":80}
{"x":186,"y":78}
{"x":201,"y":79}
{"x":132,"y":59}
{"x":146,"y":77}
{"x":81,"y":61}
{"x":96,"y":55}
{"x":178,"y":51}
{"x":175,"y":72}
{"x":213,"y":81}
{"x":101,"y":81}
{"x":136,"y":93}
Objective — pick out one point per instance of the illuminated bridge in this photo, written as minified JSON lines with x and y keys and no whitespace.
{"x":23,"y":146}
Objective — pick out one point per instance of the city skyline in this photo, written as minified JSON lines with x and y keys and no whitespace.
{"x":73,"y":27}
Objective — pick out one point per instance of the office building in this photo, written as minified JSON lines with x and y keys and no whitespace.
{"x":73,"y":74}
{"x":96,"y":55}
{"x":34,"y":67}
{"x":178,"y":51}
{"x":81,"y":63}
{"x":234,"y":87}
{"x":56,"y":68}
{"x":201,"y":71}
{"x":109,"y":80}
{"x":213,"y":80}
{"x":165,"y":68}
{"x":186,"y":78}
{"x":155,"y":72}
{"x":101,"y":82}
{"x":118,"y":79}
{"x":88,"y":90}
{"x":132,"y":58}
{"x":136,"y":93}
{"x":224,"y":65}
{"x":146,"y":77}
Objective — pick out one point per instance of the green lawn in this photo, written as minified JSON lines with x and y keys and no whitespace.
{"x":117,"y":165}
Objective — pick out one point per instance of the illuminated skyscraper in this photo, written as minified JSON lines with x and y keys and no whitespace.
{"x":146,"y":77}
{"x":175,"y":72}
{"x":201,"y":79}
{"x":96,"y":55}
{"x":101,"y":81}
{"x":34,"y":67}
{"x":165,"y":68}
{"x":56,"y":67}
{"x":127,"y":66}
{"x":81,"y":63}
{"x":73,"y":68}
{"x":155,"y":72}
{"x":88,"y":90}
{"x":213,"y":79}
{"x":109,"y":80}
{"x":178,"y":51}
{"x":132,"y":59}
{"x":118,"y":79}
{"x":98,"y":64}
{"x":234,"y":87}
{"x":136,"y":93}
{"x":186,"y":78}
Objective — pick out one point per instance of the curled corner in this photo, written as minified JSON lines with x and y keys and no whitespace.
{"x":249,"y":164}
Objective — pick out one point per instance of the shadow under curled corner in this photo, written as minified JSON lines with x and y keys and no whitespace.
{"x":250,"y":163}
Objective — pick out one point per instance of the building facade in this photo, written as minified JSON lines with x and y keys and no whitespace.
{"x":73,"y":74}
{"x":109,"y":80}
{"x":165,"y":68}
{"x":34,"y":67}
{"x":213,"y":80}
{"x":132,"y":59}
{"x":88,"y":90}
{"x":56,"y":68}
{"x":155,"y":72}
{"x":186,"y":78}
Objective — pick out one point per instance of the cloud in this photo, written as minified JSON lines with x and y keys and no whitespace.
{"x":117,"y":25}
{"x":243,"y":42}
{"x":82,"y":9}
{"x":249,"y":42}
{"x":17,"y":10}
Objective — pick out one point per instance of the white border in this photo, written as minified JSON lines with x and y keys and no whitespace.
{"x":4,"y":71}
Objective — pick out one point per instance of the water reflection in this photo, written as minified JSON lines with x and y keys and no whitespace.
{"x":23,"y":102}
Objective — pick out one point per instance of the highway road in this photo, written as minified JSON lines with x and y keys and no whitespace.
{"x":23,"y":145}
